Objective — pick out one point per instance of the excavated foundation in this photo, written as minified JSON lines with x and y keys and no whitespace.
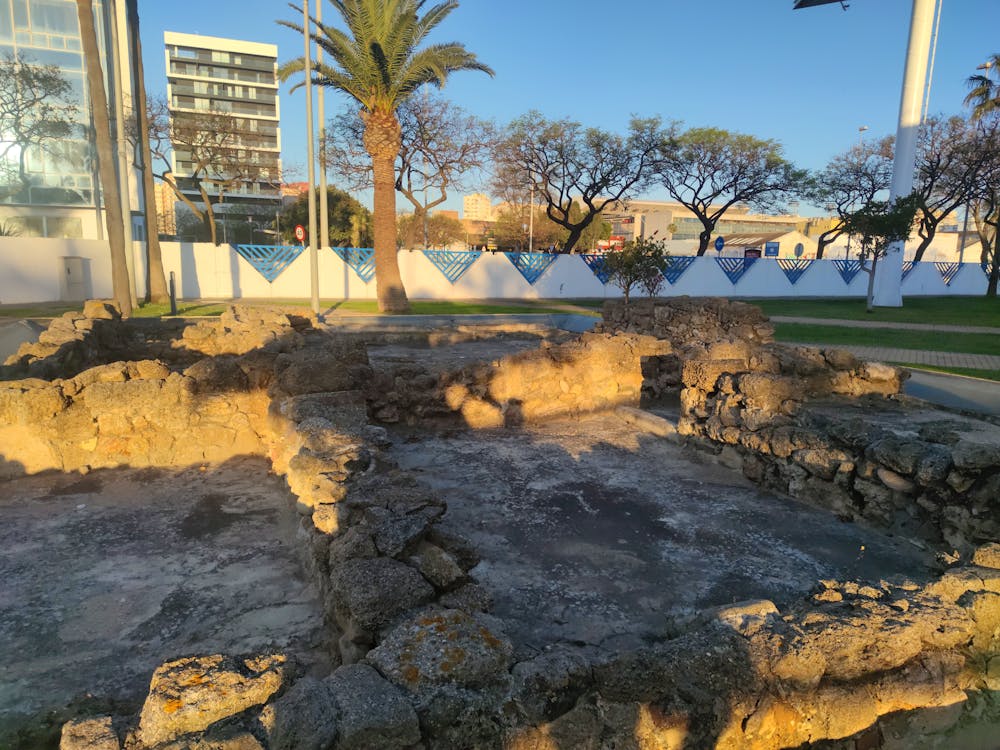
{"x":506,"y":551}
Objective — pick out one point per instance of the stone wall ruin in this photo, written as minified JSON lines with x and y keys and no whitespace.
{"x":422,"y":662}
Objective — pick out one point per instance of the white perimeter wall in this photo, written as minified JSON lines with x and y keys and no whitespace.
{"x":31,"y":271}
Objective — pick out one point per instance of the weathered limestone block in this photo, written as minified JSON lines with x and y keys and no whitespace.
{"x":550,"y":684}
{"x":304,"y":718}
{"x":337,"y":368}
{"x":987,"y":556}
{"x":369,"y":593}
{"x":189,"y":695}
{"x":769,"y":392}
{"x":437,"y":566}
{"x":703,"y":374}
{"x":100,"y":309}
{"x":396,"y":534}
{"x":975,"y":456}
{"x":218,"y":374}
{"x":372,"y":713}
{"x":89,"y":734}
{"x":443,"y":647}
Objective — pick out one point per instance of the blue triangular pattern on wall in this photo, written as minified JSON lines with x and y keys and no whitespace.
{"x":361,"y":259}
{"x":948,"y":271}
{"x":598,"y":267}
{"x":734,"y":268}
{"x":269,"y":260}
{"x":674,"y":267}
{"x":452,"y":264}
{"x":908,"y":266}
{"x":794,"y":268}
{"x":847,"y":269}
{"x":531,"y":265}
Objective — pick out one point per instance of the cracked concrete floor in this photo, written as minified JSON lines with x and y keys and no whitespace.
{"x":107,"y":575}
{"x":588,"y":530}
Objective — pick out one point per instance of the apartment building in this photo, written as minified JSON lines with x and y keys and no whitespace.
{"x":211,"y":80}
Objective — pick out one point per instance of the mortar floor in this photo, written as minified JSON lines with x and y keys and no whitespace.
{"x":107,"y":575}
{"x":588,"y":530}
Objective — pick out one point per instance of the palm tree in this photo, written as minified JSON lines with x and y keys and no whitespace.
{"x":984,"y":94}
{"x":376,"y":61}
{"x":984,"y":98}
{"x":156,"y":280}
{"x":110,"y":187}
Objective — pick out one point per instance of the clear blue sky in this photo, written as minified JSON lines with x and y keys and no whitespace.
{"x":807,"y":78}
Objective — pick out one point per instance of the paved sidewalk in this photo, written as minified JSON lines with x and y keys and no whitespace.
{"x":883,"y":324}
{"x":916,"y":356}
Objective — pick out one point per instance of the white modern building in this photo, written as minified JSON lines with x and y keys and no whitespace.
{"x":210,"y":75}
{"x":58,"y":193}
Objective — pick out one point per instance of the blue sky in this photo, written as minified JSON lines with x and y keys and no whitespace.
{"x":807,"y":78}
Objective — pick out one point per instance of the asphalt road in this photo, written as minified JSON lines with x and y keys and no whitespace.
{"x":955,"y":391}
{"x":13,"y":333}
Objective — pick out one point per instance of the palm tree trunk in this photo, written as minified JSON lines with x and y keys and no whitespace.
{"x":156,"y":280}
{"x":105,"y":157}
{"x":382,"y":144}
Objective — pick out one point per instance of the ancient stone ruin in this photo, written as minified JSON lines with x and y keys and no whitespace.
{"x":419,"y":659}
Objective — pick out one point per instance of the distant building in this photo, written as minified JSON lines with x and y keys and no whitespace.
{"x":166,"y":209}
{"x":477,"y":207}
{"x":213,"y":75}
{"x":60,"y":195}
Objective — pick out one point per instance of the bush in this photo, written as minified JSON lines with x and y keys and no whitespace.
{"x":638,"y":264}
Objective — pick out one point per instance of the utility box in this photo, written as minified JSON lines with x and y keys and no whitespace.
{"x":74,"y":278}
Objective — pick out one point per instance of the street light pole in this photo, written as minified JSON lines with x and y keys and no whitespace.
{"x":531,"y":220}
{"x":889,"y":273}
{"x":311,"y":157}
{"x":861,"y":135}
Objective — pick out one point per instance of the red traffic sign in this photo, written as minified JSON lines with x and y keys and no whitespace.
{"x":300,"y":232}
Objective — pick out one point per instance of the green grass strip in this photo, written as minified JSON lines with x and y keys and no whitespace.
{"x":969,"y":311}
{"x":967,"y":343}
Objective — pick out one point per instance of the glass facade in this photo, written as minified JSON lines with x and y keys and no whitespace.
{"x":55,"y":173}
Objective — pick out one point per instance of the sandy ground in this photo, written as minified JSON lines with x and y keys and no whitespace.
{"x":588,"y":530}
{"x":107,"y":575}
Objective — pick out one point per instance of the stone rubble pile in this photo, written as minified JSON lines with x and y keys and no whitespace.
{"x":72,"y":343}
{"x":422,"y":663}
{"x":590,"y":373}
{"x":806,"y":422}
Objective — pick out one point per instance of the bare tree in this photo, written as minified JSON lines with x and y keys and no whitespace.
{"x":105,"y":157}
{"x":569,"y":165}
{"x":219,"y":150}
{"x":442,"y":149}
{"x":952,"y":155}
{"x":36,"y":113}
{"x":852,"y":179}
{"x":710,"y":170}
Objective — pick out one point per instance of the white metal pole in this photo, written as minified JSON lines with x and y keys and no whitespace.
{"x":324,"y":206}
{"x":889,"y":273}
{"x":310,"y":136}
{"x":531,"y":221}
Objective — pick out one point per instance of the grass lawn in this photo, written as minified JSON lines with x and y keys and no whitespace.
{"x":970,"y":311}
{"x":37,"y":311}
{"x":970,"y":343}
{"x":187,"y":309}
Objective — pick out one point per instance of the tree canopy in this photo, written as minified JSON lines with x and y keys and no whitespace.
{"x":710,"y":170}
{"x":567,"y":165}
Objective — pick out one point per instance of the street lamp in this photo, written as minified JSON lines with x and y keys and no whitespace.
{"x":861,"y":135}
{"x":889,"y":273}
